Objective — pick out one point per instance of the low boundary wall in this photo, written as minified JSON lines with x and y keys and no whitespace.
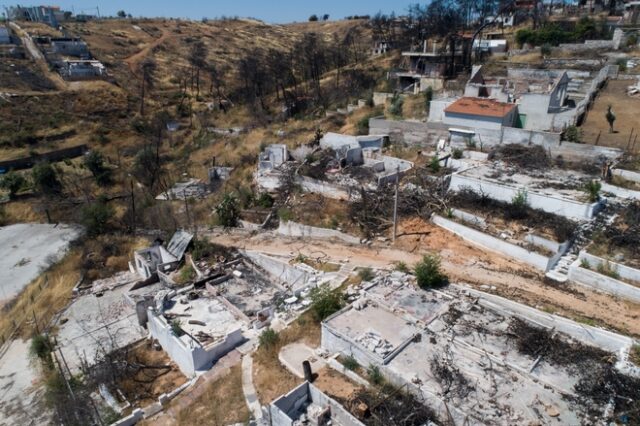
{"x":294,"y":229}
{"x":626,"y":174}
{"x":494,"y":244}
{"x":505,"y":192}
{"x":603,"y":283}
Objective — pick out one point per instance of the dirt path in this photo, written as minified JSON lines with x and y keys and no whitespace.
{"x":134,"y":61}
{"x":464,"y":264}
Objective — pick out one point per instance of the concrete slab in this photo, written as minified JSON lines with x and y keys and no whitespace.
{"x":292,"y":356}
{"x":93,"y":324}
{"x":26,"y":250}
{"x":20,"y":393}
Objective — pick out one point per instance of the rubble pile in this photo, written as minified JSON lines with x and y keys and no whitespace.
{"x":375,"y":343}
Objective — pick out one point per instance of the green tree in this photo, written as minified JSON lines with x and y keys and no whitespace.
{"x":122,"y":14}
{"x":94,"y":161}
{"x":13,"y":182}
{"x":325,"y":302}
{"x":434,"y":164}
{"x":396,"y":106}
{"x":146,"y":166}
{"x":428,"y":273}
{"x":313,"y":18}
{"x":46,"y":179}
{"x":428,"y":97}
{"x":227,"y":211}
{"x":611,"y":118}
{"x":96,"y":216}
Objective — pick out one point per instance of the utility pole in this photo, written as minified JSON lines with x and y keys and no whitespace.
{"x":395,"y":206}
{"x":133,"y":209}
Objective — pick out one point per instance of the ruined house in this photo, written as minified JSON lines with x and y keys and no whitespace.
{"x":306,"y":404}
{"x":82,"y":70}
{"x":70,"y":47}
{"x":160,"y":260}
{"x":432,"y":63}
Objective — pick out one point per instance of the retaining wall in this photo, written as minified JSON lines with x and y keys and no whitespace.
{"x":593,"y":336}
{"x":494,"y":244}
{"x":131,"y":419}
{"x":320,"y":187}
{"x":409,"y":132}
{"x":504,"y":192}
{"x":293,"y":229}
{"x":626,"y":174}
{"x":624,"y":271}
{"x":52,"y":156}
{"x":603,"y":283}
{"x":286,"y":274}
{"x":621,"y":192}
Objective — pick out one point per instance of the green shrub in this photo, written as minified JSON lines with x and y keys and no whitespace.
{"x":13,"y":182}
{"x":634,"y":355}
{"x":46,"y":179}
{"x":375,"y":375}
{"x":584,"y":263}
{"x":96,"y":216}
{"x":395,"y":108}
{"x":265,"y":201}
{"x":227,"y":211}
{"x":519,"y":205}
{"x":269,"y":338}
{"x":285,"y":214}
{"x":402,"y":267}
{"x":428,"y":273}
{"x":573,"y":134}
{"x":325,"y":302}
{"x":592,"y":188}
{"x":457,"y":153}
{"x":94,"y":161}
{"x":176,"y":328}
{"x":363,"y":126}
{"x":350,"y":363}
{"x":366,"y":274}
{"x":622,"y":64}
{"x":545,"y":49}
{"x":41,"y":347}
{"x":605,"y":268}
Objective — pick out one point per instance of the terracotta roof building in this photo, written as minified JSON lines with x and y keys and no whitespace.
{"x":481,"y":113}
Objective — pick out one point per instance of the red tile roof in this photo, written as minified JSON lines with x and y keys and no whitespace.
{"x":480,"y":106}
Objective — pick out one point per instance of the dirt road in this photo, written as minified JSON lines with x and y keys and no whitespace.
{"x":464,"y":264}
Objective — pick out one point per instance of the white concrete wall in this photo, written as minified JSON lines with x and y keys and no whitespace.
{"x":504,"y":192}
{"x":603,"y":283}
{"x":539,"y":241}
{"x":323,"y":188}
{"x":621,"y":192}
{"x":473,"y":121}
{"x":586,"y":334}
{"x":625,"y":272}
{"x":286,"y":274}
{"x":626,"y":174}
{"x":494,"y":244}
{"x":293,"y":229}
{"x":131,"y":419}
{"x":190,"y":358}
